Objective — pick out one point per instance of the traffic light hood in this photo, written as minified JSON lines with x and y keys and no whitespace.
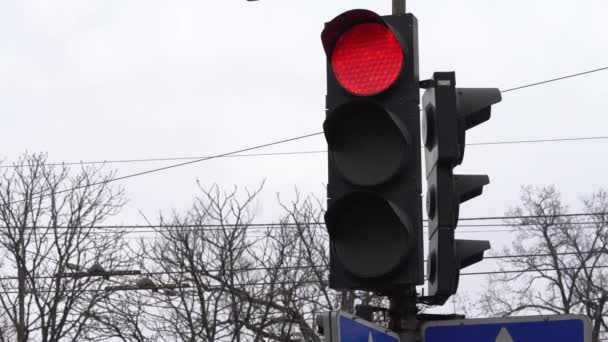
{"x":334,"y":29}
{"x":470,"y":252}
{"x":475,"y":104}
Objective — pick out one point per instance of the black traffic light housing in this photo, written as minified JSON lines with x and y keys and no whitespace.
{"x":448,"y":113}
{"x":374,"y":215}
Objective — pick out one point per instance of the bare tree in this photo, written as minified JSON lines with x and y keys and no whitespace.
{"x":295,"y":258}
{"x":231,"y":279}
{"x":123,"y":316}
{"x":6,"y":331}
{"x":207,"y":243}
{"x":562,"y":260}
{"x":48,"y":219}
{"x":245,"y":282}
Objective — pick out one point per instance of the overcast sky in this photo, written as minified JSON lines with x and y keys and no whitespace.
{"x":116,"y":79}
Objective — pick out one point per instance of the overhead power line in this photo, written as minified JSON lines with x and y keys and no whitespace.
{"x":262,"y":234}
{"x":137,"y":174}
{"x":278,"y":142}
{"x":513,"y":217}
{"x":547,"y":269}
{"x":324,"y":282}
{"x":535,"y":141}
{"x":307,"y":267}
{"x":321,"y":224}
{"x":292,"y":153}
{"x":554,"y":79}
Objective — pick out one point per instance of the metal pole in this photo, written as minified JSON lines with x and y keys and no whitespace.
{"x":399,"y":7}
{"x":402,"y":313}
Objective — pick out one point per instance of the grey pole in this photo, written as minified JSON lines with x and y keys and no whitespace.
{"x":398,"y":7}
{"x":402,"y":314}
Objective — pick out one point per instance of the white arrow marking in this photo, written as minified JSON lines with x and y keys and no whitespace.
{"x":504,"y":336}
{"x":370,"y":338}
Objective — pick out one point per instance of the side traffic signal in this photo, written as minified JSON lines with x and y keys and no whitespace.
{"x":448,"y":113}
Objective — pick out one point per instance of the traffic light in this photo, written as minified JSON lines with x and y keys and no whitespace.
{"x":372,"y":128}
{"x":448,"y":113}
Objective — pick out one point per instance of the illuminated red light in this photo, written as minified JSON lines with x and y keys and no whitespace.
{"x":367,"y":59}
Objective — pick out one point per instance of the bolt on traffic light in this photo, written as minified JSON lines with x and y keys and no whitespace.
{"x":448,"y":113}
{"x":372,"y":128}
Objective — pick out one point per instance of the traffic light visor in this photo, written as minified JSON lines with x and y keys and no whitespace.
{"x":367,"y":58}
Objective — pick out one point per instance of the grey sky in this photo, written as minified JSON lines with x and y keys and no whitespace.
{"x":116,"y":79}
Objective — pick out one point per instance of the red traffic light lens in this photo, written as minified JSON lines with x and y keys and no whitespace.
{"x":367,"y":59}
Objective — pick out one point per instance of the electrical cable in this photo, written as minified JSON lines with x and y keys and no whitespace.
{"x":319,"y":133}
{"x":123,"y":161}
{"x":137,"y":174}
{"x":320,"y":224}
{"x":252,"y":269}
{"x":324,"y":282}
{"x":554,"y":79}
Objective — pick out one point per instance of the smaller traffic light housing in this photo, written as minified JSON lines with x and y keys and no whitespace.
{"x":448,"y":113}
{"x":372,"y":128}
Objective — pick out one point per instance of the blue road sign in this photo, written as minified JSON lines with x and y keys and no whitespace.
{"x":340,"y":326}
{"x":557,"y":328}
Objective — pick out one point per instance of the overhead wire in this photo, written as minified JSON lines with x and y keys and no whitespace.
{"x":306,"y":267}
{"x":260,"y":232}
{"x":148,"y":235}
{"x":221,"y":226}
{"x":137,"y":174}
{"x":554,"y":79}
{"x":236,"y":152}
{"x":141,"y":160}
{"x":324,"y":282}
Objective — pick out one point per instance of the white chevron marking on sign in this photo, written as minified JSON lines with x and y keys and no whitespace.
{"x":504,"y":336}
